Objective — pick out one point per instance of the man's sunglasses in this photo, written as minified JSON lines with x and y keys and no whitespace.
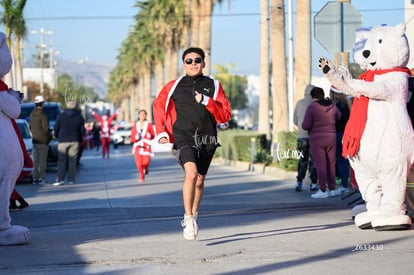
{"x":197,"y":60}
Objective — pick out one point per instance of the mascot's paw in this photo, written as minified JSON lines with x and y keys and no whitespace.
{"x":325,"y":65}
{"x":360,"y":208}
{"x":398,"y":222}
{"x":363,"y":220}
{"x":14,"y":235}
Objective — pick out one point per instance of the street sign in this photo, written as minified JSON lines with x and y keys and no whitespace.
{"x":335,"y":25}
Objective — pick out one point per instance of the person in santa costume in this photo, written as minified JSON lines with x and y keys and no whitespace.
{"x":141,"y":135}
{"x":11,"y":153}
{"x":105,"y":131}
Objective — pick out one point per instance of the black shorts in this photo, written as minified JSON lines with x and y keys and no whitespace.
{"x":200,"y":157}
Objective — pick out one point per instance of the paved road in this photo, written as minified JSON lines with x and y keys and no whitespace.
{"x":108,"y":223}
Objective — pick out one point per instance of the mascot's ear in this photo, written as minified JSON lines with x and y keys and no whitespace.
{"x":400,"y":28}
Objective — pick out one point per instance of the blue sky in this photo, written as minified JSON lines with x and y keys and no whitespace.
{"x":95,"y":29}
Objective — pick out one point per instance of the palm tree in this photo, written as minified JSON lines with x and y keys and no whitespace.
{"x":205,"y":16}
{"x":205,"y":12}
{"x":280,"y":99}
{"x":20,"y":31}
{"x":195,"y":22}
{"x":303,"y":50}
{"x":264,"y":125}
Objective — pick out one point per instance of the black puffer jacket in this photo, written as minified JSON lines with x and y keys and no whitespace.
{"x":69,"y":126}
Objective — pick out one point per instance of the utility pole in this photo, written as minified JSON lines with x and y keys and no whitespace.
{"x":42,"y":32}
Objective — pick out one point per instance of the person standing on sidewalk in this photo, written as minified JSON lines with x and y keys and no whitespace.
{"x":305,"y":161}
{"x":342,"y":164}
{"x":142,"y":134}
{"x":105,"y":131}
{"x":69,"y":129}
{"x":39,"y":126}
{"x":320,"y":119}
{"x":186,"y":113}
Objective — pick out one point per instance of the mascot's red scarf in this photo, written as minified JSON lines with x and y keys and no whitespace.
{"x":28,"y":163}
{"x":358,"y":117}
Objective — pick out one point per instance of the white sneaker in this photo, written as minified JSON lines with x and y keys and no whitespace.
{"x":320,"y":194}
{"x":195,"y":225}
{"x":58,"y":183}
{"x":188,"y":224}
{"x":341,"y":190}
{"x":332,"y":193}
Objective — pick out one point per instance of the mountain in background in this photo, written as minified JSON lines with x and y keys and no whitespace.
{"x":89,"y":74}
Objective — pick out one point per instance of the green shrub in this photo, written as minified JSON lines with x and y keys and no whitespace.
{"x":236,"y":144}
{"x":286,"y":154}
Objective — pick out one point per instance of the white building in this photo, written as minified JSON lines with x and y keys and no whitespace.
{"x":35,"y":74}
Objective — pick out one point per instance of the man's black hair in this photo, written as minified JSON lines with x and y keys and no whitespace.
{"x":317,"y":93}
{"x":194,"y":50}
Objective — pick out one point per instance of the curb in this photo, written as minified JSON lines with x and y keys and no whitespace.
{"x":258,"y":168}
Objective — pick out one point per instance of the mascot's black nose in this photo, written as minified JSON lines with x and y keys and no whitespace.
{"x":366,"y":53}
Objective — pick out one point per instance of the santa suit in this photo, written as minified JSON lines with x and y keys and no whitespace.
{"x":105,"y":132}
{"x":141,"y":138}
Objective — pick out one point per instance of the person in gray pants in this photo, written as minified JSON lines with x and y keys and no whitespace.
{"x":69,"y":129}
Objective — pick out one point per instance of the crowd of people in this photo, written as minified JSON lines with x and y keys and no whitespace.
{"x":178,"y":117}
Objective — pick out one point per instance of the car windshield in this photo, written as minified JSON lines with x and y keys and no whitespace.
{"x":24,"y":131}
{"x":51,"y":112}
{"x":25,"y":113}
{"x":124,"y":128}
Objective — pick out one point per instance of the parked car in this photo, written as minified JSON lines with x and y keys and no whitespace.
{"x":24,"y":129}
{"x":122,"y":134}
{"x":26,"y":135}
{"x":52,"y":110}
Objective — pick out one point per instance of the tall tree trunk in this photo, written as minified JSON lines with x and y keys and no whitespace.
{"x":280,"y":98}
{"x":174,"y":62}
{"x":134,"y":98}
{"x":141,"y":93}
{"x":19,"y":67}
{"x":159,"y":77}
{"x":264,"y":125}
{"x":185,"y":39}
{"x":8,"y":78}
{"x":303,"y":55}
{"x":167,"y":64}
{"x":195,"y":22}
{"x":206,"y":9}
{"x":147,"y":93}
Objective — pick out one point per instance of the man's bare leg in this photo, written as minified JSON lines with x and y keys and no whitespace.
{"x":189,"y":187}
{"x":198,"y":194}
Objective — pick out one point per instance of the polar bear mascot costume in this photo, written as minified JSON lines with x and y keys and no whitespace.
{"x":378,"y":138}
{"x":11,"y":153}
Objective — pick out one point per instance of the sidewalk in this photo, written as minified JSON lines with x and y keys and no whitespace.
{"x":250,"y":223}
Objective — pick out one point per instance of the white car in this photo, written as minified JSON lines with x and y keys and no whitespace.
{"x":24,"y":129}
{"x":122,"y":134}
